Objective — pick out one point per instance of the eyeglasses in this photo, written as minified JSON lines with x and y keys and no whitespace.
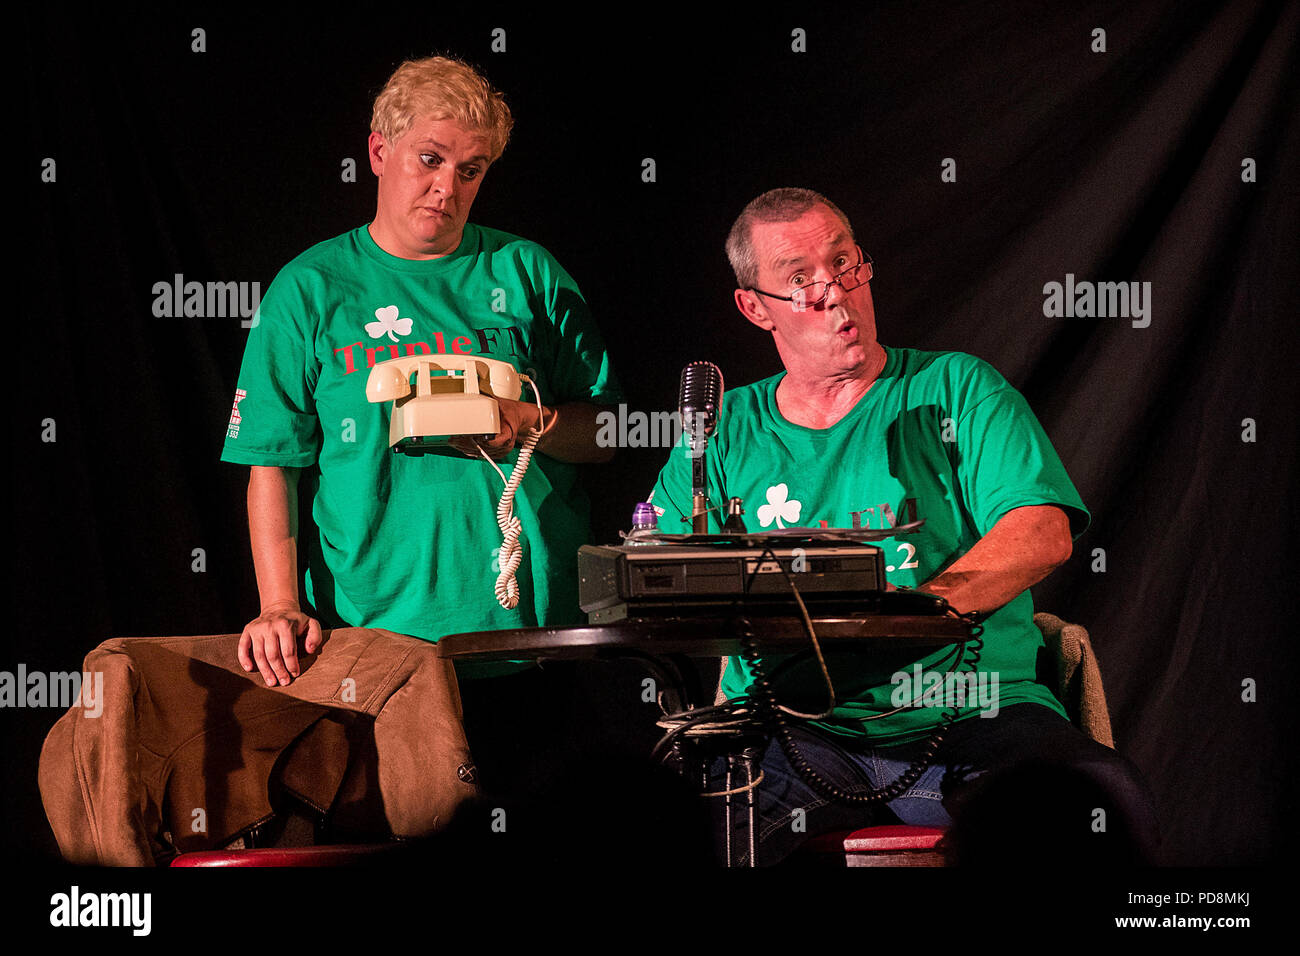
{"x":812,"y":294}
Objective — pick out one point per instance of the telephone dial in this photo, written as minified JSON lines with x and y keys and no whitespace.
{"x":456,"y":395}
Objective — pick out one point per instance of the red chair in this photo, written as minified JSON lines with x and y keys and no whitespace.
{"x":341,"y":855}
{"x":897,"y":845}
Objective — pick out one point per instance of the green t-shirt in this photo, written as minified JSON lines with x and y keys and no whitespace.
{"x":410,"y":543}
{"x":939,"y":436}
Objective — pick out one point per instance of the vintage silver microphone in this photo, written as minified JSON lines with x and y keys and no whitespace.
{"x":699,"y":401}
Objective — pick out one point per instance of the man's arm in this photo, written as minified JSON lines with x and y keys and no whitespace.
{"x":570,"y":433}
{"x":273,"y":533}
{"x":272,"y":639}
{"x":1023,"y":547}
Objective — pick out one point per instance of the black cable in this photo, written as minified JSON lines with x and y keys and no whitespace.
{"x":771,"y":716}
{"x":808,"y":627}
{"x":699,"y":715}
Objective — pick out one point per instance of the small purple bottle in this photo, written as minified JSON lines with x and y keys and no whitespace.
{"x":645,"y":524}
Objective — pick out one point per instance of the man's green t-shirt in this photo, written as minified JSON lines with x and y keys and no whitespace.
{"x":410,"y":544}
{"x":940,"y":436}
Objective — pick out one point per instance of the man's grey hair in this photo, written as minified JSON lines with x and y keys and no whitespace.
{"x":776,"y":205}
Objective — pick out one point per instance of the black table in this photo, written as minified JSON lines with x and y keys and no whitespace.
{"x":665,"y":645}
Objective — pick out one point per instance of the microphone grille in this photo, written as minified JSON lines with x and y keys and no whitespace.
{"x":701,"y":387}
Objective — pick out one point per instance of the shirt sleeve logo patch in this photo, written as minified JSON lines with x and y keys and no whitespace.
{"x":232,"y":430}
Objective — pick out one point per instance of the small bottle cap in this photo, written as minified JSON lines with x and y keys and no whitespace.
{"x":643,"y":516}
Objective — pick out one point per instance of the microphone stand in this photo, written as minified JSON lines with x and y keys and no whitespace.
{"x":699,"y":489}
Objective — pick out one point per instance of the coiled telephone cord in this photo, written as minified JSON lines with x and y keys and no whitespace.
{"x":511,"y":554}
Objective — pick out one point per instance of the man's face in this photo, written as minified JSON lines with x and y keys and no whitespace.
{"x":839,"y":334}
{"x":428,"y":179}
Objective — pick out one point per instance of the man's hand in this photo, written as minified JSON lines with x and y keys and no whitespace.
{"x":272,"y":640}
{"x":518,"y":420}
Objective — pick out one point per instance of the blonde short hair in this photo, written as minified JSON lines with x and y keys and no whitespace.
{"x":444,"y":89}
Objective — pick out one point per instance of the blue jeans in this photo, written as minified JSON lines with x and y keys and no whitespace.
{"x":1023,"y":784}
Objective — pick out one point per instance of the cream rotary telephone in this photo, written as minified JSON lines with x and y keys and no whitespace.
{"x":456,"y":395}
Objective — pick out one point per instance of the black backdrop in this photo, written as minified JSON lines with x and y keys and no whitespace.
{"x":1123,"y":165}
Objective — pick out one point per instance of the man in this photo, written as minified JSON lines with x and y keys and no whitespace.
{"x":857,"y":433}
{"x":412,"y":544}
{"x":408,"y":543}
{"x":405,"y":549}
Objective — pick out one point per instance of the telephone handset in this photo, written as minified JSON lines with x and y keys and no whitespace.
{"x":453,"y":395}
{"x":457,"y":395}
